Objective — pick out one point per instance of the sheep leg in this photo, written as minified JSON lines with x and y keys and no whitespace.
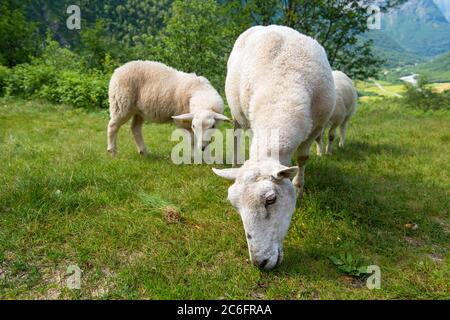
{"x":302,"y":158}
{"x":343,"y":130}
{"x":113,"y":128}
{"x":319,"y":144}
{"x":299,"y":179}
{"x":331,"y":137}
{"x":136,"y":129}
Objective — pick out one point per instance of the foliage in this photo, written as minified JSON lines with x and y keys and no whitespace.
{"x":349,"y":264}
{"x":192,"y":36}
{"x":43,"y":77}
{"x":194,"y":40}
{"x":422,"y":96}
{"x":335,"y":24}
{"x":130,"y":20}
{"x":79,"y":90}
{"x":5,"y":73}
{"x":15,"y":34}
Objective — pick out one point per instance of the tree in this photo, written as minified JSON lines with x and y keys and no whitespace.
{"x":126,"y":20}
{"x":336,"y":24}
{"x":195,"y":39}
{"x":129,"y":20}
{"x":16,"y":34}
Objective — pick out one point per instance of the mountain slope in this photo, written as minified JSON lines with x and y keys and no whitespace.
{"x":420,"y":27}
{"x":444,"y":5}
{"x":390,"y":51}
{"x":435,"y":70}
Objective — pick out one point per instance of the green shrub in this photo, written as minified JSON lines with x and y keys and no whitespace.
{"x":59,"y":76}
{"x":78,"y":89}
{"x":423,"y":97}
{"x":59,"y":58}
{"x":27,"y":79}
{"x":5,"y":73}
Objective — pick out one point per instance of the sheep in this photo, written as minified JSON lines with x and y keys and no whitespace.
{"x":346,"y":101}
{"x":277,"y":79}
{"x":152,"y":91}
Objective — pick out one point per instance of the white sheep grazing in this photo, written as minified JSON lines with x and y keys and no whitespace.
{"x":277,"y":79}
{"x":346,"y":101}
{"x":152,"y":91}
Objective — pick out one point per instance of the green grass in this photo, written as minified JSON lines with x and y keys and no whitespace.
{"x":369,"y":91}
{"x":146,"y":228}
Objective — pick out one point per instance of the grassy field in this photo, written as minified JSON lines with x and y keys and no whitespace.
{"x":142,"y":227}
{"x":370,"y":90}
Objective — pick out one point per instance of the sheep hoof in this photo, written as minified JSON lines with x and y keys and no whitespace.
{"x":143,"y":152}
{"x":112,"y":152}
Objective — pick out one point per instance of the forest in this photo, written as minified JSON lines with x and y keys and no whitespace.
{"x":40,"y":56}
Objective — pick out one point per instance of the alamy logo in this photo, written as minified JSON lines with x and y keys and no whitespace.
{"x":73,"y":280}
{"x":74,"y":20}
{"x":374,"y":19}
{"x":374,"y":280}
{"x":229,"y":148}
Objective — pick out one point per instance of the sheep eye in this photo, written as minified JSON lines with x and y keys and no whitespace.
{"x":271,"y":198}
{"x":193,"y":126}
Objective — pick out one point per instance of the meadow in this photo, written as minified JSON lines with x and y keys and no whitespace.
{"x":145,"y":228}
{"x":370,"y":90}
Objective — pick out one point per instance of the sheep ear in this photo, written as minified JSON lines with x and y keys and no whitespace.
{"x":229,"y":174}
{"x":186,"y":116}
{"x":285,"y":172}
{"x":219,"y":116}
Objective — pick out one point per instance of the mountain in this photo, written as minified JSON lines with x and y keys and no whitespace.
{"x":413,"y":33}
{"x":419,"y":26}
{"x":435,"y":70}
{"x":444,"y":5}
{"x":391,"y":51}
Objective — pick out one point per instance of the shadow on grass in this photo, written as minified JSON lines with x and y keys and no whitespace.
{"x":360,"y":150}
{"x":368,"y":211}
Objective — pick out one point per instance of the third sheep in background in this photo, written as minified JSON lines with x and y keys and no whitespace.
{"x":346,"y":101}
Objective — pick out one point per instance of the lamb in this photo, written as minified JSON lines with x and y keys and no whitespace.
{"x":346,"y":101}
{"x":152,"y":91}
{"x":281,"y":80}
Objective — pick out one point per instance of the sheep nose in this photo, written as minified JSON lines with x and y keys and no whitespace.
{"x":260,"y":263}
{"x":263,"y":263}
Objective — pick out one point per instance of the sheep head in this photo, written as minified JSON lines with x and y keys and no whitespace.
{"x":264,"y":196}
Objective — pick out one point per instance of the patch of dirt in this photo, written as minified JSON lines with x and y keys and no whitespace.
{"x":105,"y":285}
{"x":414,"y":242}
{"x":353,"y":282}
{"x":171,"y":215}
{"x":2,"y":273}
{"x":55,"y":279}
{"x":436,"y":257}
{"x":307,"y":294}
{"x":128,"y":258}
